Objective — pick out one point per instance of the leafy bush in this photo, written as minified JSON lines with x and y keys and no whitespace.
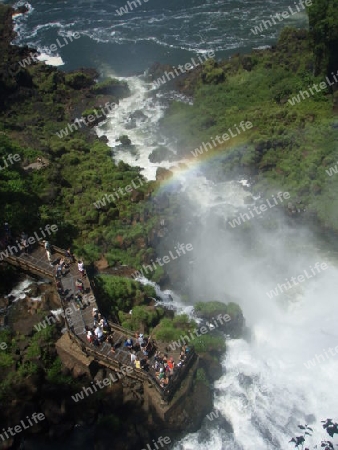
{"x":209,"y":343}
{"x":208,"y":310}
{"x":55,"y":376}
{"x":78,"y":80}
{"x":170,"y":330}
{"x":120,"y":294}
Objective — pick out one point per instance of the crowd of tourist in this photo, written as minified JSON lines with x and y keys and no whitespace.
{"x":165,"y":367}
{"x":143,"y":354}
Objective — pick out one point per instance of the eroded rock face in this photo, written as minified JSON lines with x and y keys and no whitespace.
{"x":188,"y":416}
{"x":72,"y":358}
{"x":27,"y":308}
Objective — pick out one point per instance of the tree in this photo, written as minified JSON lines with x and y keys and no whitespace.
{"x":323,"y":21}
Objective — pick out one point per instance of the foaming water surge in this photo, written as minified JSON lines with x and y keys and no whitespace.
{"x":268,"y":386}
{"x":137,"y":116}
{"x":168,"y":298}
{"x":21,"y":289}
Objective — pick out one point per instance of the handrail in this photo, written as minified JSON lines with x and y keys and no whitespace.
{"x":175,"y":380}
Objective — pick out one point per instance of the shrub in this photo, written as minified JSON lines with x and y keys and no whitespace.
{"x":209,"y":343}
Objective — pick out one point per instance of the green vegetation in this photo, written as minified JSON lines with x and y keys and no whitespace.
{"x":37,"y":358}
{"x":324,"y":35}
{"x":169,"y":330}
{"x":209,"y":310}
{"x":143,"y":318}
{"x":79,"y":170}
{"x":209,"y":343}
{"x":54,"y":374}
{"x":118,"y":294}
{"x":172,"y":329}
{"x":289,"y":148}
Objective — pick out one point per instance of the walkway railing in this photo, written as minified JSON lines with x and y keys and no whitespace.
{"x":175,"y":380}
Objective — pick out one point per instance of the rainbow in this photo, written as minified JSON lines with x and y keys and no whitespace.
{"x":189,"y":167}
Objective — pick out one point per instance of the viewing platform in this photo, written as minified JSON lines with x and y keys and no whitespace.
{"x":78,"y":319}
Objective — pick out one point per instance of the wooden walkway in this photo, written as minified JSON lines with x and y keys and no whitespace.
{"x":78,"y":319}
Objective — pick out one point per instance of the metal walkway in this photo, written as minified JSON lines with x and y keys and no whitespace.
{"x":78,"y":319}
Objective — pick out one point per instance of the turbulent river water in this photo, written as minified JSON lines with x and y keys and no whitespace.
{"x":268,"y":386}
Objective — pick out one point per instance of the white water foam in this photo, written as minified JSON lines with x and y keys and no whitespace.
{"x":20,"y":290}
{"x":141,"y":130}
{"x":268,"y":386}
{"x":169,"y":299}
{"x":51,"y":60}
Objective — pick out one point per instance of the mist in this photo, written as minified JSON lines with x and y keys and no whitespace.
{"x":268,"y":386}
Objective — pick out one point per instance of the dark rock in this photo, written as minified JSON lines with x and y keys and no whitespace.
{"x":104,"y":139}
{"x":124,"y":139}
{"x":138,"y":115}
{"x":212,"y":368}
{"x":163,"y":174}
{"x":160,"y":154}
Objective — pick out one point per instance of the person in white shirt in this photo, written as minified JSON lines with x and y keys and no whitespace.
{"x":80,"y":266}
{"x":99,"y":333}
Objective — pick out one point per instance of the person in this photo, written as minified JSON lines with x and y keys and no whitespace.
{"x":160,"y":374}
{"x":133,"y":357}
{"x":140,"y":340}
{"x":79,"y":285}
{"x":129,"y":343}
{"x":95,"y":340}
{"x":110,"y":341}
{"x":90,"y":336}
{"x":137,"y":364}
{"x":182,"y":356}
{"x":7,"y":229}
{"x":60,"y":288}
{"x":49,"y":257}
{"x":158,"y":357}
{"x":171,"y":365}
{"x":69,"y":255}
{"x":144,"y":349}
{"x":47,"y":246}
{"x":95,"y":315}
{"x":59,"y":271}
{"x":80,"y":266}
{"x":78,"y":300}
{"x":99,"y":334}
{"x":164,"y":382}
{"x":104,"y":325}
{"x":145,"y":365}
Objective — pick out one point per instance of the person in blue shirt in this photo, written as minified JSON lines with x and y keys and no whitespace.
{"x":128,"y":343}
